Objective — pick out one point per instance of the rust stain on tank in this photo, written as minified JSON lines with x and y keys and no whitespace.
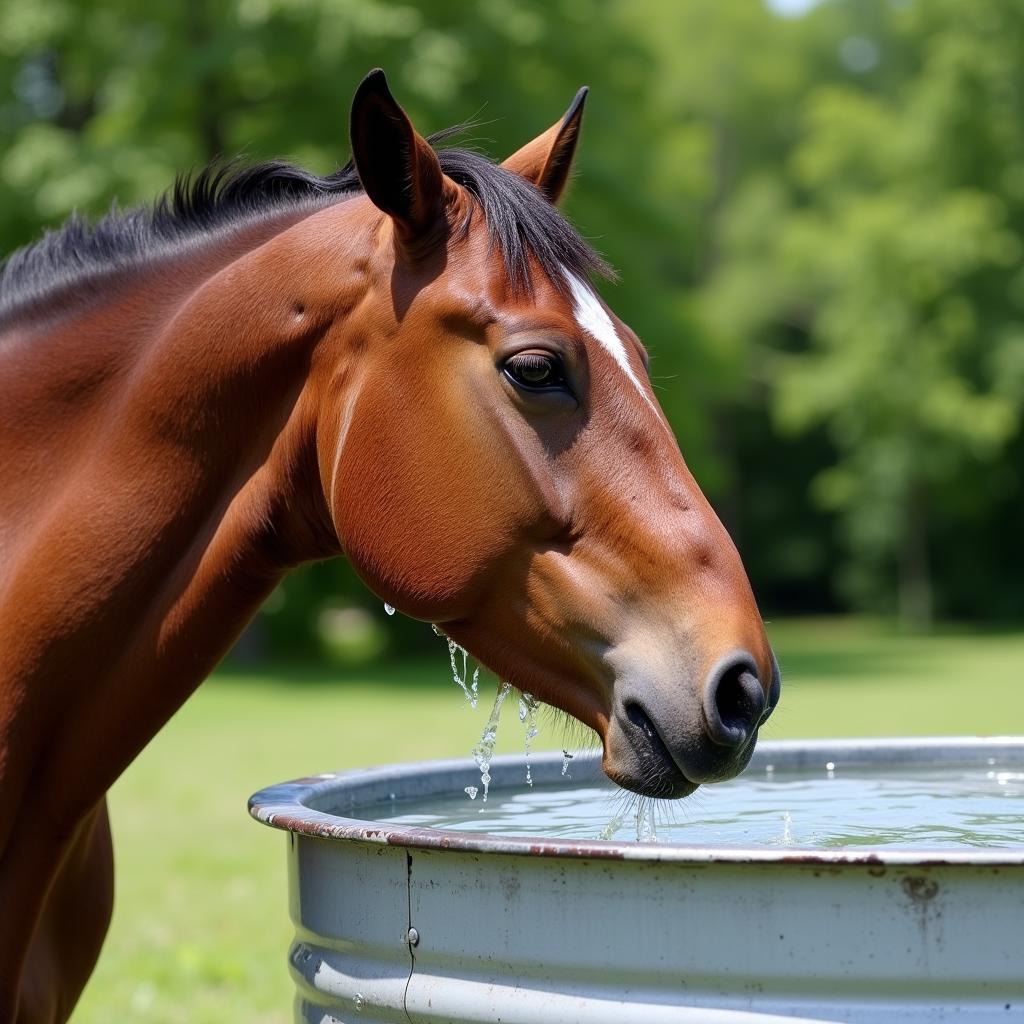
{"x":921,"y":890}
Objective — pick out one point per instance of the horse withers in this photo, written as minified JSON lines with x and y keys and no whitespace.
{"x":404,"y":363}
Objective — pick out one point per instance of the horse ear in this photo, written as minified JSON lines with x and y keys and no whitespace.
{"x":547,"y":160}
{"x":397,"y":167}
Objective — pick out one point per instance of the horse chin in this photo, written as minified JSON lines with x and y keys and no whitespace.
{"x":637,"y":759}
{"x":655,"y":784}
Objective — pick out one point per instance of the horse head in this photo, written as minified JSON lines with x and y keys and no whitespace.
{"x":498,"y":462}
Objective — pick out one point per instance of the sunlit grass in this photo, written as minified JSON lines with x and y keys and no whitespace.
{"x":200,"y":928}
{"x":858,"y":678}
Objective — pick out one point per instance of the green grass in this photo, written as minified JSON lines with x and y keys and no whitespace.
{"x":200,"y":927}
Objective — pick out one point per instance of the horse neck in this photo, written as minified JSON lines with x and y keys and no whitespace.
{"x":169,"y":480}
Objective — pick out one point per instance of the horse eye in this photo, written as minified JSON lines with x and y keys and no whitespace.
{"x":535,"y":371}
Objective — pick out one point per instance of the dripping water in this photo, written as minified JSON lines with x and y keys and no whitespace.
{"x":642,"y":810}
{"x":469,"y":686}
{"x":528,"y":716}
{"x":472,"y":690}
{"x":646,"y":829}
{"x":389,"y":608}
{"x":484,"y":750}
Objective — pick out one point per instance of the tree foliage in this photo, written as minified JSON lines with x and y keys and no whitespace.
{"x":892,"y":315}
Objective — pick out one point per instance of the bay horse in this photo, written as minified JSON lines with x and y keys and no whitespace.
{"x":404,"y":363}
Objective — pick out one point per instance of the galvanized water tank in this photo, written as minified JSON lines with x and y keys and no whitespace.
{"x":407,"y":924}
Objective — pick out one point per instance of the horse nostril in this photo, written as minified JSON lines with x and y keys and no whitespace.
{"x":641,"y":720}
{"x":734,"y":701}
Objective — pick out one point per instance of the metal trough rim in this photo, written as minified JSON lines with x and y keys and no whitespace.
{"x":295,"y":806}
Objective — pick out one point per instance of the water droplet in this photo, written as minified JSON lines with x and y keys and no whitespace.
{"x":471,"y":792}
{"x":830,"y":766}
{"x":566,"y":758}
{"x":611,"y":828}
{"x":460,"y":677}
{"x":646,"y":832}
{"x":769,"y":769}
{"x":484,"y":750}
{"x":438,"y":631}
{"x":359,"y":1002}
{"x":528,"y":716}
{"x":389,"y":608}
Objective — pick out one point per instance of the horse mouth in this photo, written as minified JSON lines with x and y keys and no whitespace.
{"x":654,"y":772}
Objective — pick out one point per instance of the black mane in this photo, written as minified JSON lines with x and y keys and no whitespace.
{"x":520,"y":222}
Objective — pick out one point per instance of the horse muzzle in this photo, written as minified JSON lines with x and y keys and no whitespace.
{"x":661,"y":743}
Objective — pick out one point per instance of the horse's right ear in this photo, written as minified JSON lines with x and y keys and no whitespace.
{"x":397,"y":167}
{"x":547,"y":160}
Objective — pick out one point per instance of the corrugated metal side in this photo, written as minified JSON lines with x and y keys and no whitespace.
{"x":350,"y":906}
{"x":530,"y":939}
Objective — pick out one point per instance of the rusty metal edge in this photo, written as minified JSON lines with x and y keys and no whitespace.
{"x":289,"y":806}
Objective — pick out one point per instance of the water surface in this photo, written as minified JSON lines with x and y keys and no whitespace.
{"x":827,"y":808}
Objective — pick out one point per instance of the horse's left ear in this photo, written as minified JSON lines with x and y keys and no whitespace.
{"x":397,"y":167}
{"x":547,"y":160}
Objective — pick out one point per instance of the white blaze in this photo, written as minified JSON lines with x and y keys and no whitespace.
{"x":594,"y":319}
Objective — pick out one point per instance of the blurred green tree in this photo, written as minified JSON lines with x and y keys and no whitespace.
{"x":879,"y":262}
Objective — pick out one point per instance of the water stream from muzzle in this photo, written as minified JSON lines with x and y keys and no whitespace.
{"x":528,"y":716}
{"x":483,"y":752}
{"x":484,"y":749}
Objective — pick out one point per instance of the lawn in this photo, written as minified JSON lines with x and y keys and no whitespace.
{"x":200,"y":928}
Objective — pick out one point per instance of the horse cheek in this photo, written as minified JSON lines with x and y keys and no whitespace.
{"x":427,"y":522}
